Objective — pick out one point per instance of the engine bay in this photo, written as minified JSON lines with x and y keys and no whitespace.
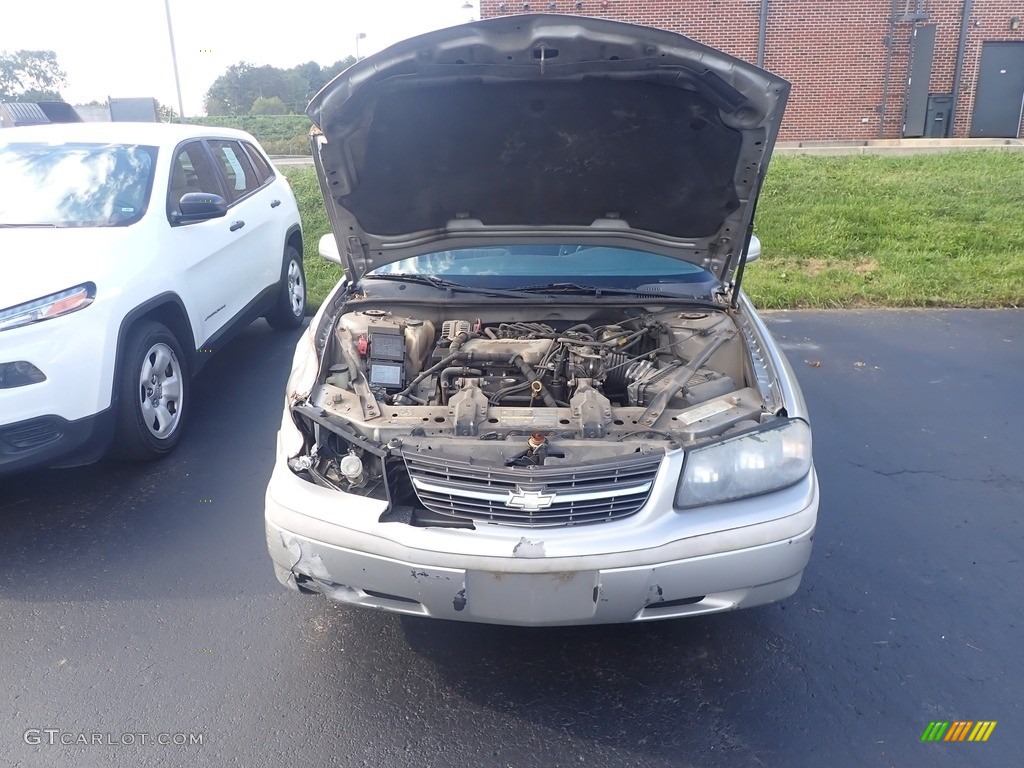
{"x":652,"y":367}
{"x":415,"y":361}
{"x":571,"y":387}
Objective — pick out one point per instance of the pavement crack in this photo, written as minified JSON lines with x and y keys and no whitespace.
{"x":896,"y":472}
{"x":1000,"y":480}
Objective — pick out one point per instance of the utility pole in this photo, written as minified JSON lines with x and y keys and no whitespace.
{"x":174,"y":61}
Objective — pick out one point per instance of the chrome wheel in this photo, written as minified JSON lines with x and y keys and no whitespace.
{"x":296,"y":289}
{"x":290,"y":306}
{"x":160,"y":391}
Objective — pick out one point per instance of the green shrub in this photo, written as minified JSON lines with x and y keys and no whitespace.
{"x":278,"y":134}
{"x":271,"y":106}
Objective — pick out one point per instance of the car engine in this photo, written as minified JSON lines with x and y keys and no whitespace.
{"x":400,"y":390}
{"x":412,"y":361}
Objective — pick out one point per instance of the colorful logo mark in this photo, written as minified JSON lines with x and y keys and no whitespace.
{"x":958,"y":730}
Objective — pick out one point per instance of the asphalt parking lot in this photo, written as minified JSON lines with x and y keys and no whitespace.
{"x":140,"y":599}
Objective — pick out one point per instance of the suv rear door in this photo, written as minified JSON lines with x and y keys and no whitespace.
{"x":203,"y":251}
{"x":258,"y":248}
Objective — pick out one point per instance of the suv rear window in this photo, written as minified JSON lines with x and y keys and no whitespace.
{"x":263,"y":169}
{"x":235,"y":165}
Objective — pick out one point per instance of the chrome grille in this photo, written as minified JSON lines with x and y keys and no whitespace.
{"x":534,"y":496}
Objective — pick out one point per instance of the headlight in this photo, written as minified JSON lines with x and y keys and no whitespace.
{"x":757,"y":462}
{"x":48,"y":307}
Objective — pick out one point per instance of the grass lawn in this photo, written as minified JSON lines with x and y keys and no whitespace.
{"x":940,"y":230}
{"x":321,"y":275}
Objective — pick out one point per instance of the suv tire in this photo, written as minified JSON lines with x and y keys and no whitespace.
{"x":153,"y":394}
{"x":290,"y":309}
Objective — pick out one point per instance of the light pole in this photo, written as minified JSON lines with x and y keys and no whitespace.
{"x":174,"y":61}
{"x":359,"y":36}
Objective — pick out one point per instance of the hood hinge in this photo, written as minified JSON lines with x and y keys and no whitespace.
{"x":357,"y":255}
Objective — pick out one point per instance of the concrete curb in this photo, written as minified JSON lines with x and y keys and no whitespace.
{"x":895,"y":146}
{"x":833,"y":148}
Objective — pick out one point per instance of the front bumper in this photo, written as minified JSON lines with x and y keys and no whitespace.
{"x":69,"y":418}
{"x":529,"y":577}
{"x":51,"y":441}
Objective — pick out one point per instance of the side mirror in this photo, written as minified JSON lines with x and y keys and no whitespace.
{"x":329,"y":249}
{"x":200,"y":206}
{"x":754,"y":250}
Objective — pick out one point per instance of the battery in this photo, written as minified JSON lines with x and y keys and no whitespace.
{"x":387,"y":357}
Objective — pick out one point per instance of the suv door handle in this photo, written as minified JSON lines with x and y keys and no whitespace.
{"x":274,"y":203}
{"x":236,"y":225}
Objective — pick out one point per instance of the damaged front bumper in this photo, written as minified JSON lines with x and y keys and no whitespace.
{"x":658,"y":565}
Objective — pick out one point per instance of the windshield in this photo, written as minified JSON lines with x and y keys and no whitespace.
{"x":519,"y":266}
{"x":74,"y":185}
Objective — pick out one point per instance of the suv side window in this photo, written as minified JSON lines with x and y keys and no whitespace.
{"x":263,"y":170}
{"x":191,"y":171}
{"x":235,"y":166}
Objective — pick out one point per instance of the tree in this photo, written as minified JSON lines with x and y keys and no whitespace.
{"x":336,"y":69}
{"x":230,"y":93}
{"x":167,"y":114}
{"x":271,"y":106}
{"x":31,"y":73}
{"x":234,"y":92}
{"x":215,"y":107}
{"x":237,"y":90}
{"x":36,"y":95}
{"x":314,"y":77}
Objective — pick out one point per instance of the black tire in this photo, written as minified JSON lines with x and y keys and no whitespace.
{"x":145,"y":432}
{"x":290,"y":309}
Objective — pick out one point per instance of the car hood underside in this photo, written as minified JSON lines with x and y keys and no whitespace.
{"x":541,"y":128}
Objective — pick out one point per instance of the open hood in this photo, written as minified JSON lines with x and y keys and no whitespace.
{"x":545,"y":128}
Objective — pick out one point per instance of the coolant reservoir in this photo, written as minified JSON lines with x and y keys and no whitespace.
{"x":419,"y":340}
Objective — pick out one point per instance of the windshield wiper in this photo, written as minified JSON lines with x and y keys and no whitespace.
{"x":599,"y":290}
{"x":446,"y":285}
{"x":15,"y":226}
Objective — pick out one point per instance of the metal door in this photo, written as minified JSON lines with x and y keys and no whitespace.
{"x":922,"y":51}
{"x":1000,"y":92}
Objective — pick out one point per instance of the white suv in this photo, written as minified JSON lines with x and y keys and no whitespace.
{"x":130,"y":252}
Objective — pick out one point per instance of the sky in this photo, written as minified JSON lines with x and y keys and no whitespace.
{"x":120,"y":48}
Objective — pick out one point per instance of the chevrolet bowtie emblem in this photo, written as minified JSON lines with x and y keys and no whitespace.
{"x":529,"y":501}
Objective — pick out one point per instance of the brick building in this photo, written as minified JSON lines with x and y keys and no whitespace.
{"x":861,"y":69}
